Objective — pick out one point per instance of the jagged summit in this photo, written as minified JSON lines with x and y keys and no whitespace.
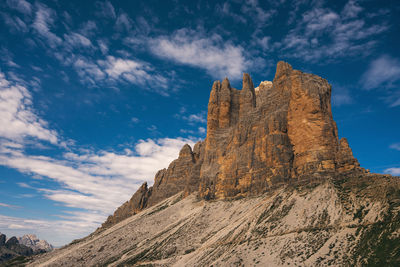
{"x":256,"y":141}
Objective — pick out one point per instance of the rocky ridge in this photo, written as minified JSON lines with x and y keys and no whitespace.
{"x":14,"y":250}
{"x":35,"y":243}
{"x":280,"y":133}
{"x":11,"y":248}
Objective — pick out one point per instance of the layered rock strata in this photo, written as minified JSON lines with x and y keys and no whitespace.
{"x":257,"y":139}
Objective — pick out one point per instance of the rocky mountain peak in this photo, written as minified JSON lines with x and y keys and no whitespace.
{"x":33,"y":242}
{"x":282,"y":68}
{"x":283,"y":134}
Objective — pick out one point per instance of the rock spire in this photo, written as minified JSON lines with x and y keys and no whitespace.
{"x":257,"y":140}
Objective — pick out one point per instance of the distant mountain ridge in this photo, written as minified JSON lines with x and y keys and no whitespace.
{"x":22,"y":246}
{"x":35,"y":243}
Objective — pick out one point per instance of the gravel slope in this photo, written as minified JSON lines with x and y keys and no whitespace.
{"x":351,"y":221}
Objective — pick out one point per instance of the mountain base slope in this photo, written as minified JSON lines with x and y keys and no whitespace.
{"x":342,"y":221}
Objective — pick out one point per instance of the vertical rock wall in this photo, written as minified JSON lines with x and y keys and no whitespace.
{"x":256,"y":140}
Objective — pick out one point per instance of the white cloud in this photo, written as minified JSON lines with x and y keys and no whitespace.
{"x":382,"y":72}
{"x":20,"y":5}
{"x":393,"y":171}
{"x":89,"y":71}
{"x":15,"y":24}
{"x":77,"y":40}
{"x":113,"y":70}
{"x":351,"y":9}
{"x":395,"y":146}
{"x":116,"y":67}
{"x":58,"y":232}
{"x":123,"y":22}
{"x":97,"y":182}
{"x":89,"y":28}
{"x":17,"y":117}
{"x":105,"y":9}
{"x":226,"y":10}
{"x":133,"y":71}
{"x":218,"y":57}
{"x":43,"y":21}
{"x":252,"y":9}
{"x":8,"y":206}
{"x":340,"y":96}
{"x":322,"y":33}
{"x":103,"y":46}
{"x":196,"y":118}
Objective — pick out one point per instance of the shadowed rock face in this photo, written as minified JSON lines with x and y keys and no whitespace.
{"x":256,"y":140}
{"x":2,"y":239}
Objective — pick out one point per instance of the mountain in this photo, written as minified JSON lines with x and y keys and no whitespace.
{"x":13,"y":250}
{"x":271,"y":185}
{"x":257,"y":140}
{"x":35,"y":244}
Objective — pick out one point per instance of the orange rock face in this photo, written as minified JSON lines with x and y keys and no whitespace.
{"x":257,"y":140}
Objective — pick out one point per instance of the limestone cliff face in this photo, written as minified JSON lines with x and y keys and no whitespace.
{"x":282,"y":132}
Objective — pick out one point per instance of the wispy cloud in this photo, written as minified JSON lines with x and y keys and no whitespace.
{"x":20,"y":5}
{"x":123,"y":22}
{"x":395,"y":146}
{"x":383,"y":71}
{"x":14,"y":23}
{"x":253,"y":10}
{"x":96,"y":182}
{"x":44,"y":19}
{"x":17,"y":117}
{"x":341,"y":96}
{"x":105,"y":9}
{"x":128,"y":69}
{"x":70,"y":227}
{"x":113,"y":70}
{"x":323,"y":33}
{"x":195,"y":118}
{"x":226,"y":10}
{"x":8,"y":206}
{"x":77,"y":40}
{"x":210,"y":52}
{"x":393,"y":171}
{"x":93,"y":181}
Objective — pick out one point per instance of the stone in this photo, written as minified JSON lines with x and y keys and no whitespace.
{"x":259,"y":139}
{"x":2,"y":239}
{"x":345,"y":159}
{"x":131,"y":207}
{"x":13,"y":245}
{"x":12,"y":241}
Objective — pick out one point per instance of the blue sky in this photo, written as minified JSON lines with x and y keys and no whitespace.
{"x":96,"y":96}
